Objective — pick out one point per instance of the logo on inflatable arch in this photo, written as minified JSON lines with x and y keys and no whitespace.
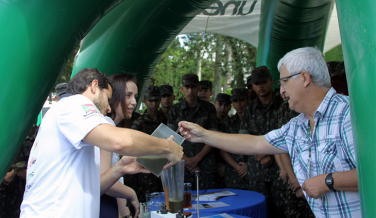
{"x":239,"y":8}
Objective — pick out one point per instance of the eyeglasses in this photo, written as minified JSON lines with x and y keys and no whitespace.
{"x":282,"y":81}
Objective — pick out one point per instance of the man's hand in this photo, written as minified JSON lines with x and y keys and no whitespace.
{"x":193,"y":171}
{"x":242,"y":170}
{"x":221,"y":168}
{"x":283,"y":175}
{"x":265,"y":160}
{"x":315,"y":187}
{"x":9,"y":177}
{"x":176,"y":152}
{"x":294,"y":184}
{"x":191,"y":131}
{"x":127,"y":165}
{"x":191,"y":162}
{"x":299,"y":193}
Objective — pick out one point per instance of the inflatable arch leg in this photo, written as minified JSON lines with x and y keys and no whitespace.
{"x":36,"y":40}
{"x":358,"y":33}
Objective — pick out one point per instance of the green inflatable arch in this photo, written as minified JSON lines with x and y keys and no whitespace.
{"x":37,"y":38}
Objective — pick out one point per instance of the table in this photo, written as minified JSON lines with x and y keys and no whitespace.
{"x":211,"y":214}
{"x":245,"y":203}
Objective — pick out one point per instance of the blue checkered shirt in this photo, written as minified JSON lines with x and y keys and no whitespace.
{"x":329,"y":149}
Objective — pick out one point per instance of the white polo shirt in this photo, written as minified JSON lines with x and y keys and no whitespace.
{"x":63,"y":175}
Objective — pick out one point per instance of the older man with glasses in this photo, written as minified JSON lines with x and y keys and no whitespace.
{"x":319,"y":140}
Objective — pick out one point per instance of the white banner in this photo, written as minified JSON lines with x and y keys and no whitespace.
{"x":241,"y":19}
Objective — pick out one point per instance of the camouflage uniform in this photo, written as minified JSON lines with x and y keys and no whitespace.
{"x":11,"y":195}
{"x":148,"y":183}
{"x":295,"y":207}
{"x":258,"y":119}
{"x":205,"y":115}
{"x":232,"y":179}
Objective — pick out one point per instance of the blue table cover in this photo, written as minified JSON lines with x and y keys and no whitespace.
{"x":211,"y":214}
{"x":245,"y":203}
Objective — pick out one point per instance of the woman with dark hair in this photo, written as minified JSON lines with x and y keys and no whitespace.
{"x":122,"y":103}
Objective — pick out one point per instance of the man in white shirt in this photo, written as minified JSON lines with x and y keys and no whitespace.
{"x":63,"y":175}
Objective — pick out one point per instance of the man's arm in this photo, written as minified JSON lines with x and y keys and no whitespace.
{"x":130,"y":142}
{"x":242,"y":143}
{"x":193,"y":161}
{"x":315,"y":187}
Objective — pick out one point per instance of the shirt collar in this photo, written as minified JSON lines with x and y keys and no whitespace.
{"x":322,"y":108}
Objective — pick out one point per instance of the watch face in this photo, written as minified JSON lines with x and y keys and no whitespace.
{"x":328,"y":180}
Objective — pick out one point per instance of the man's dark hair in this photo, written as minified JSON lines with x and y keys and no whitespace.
{"x":79,"y":83}
{"x":119,"y":82}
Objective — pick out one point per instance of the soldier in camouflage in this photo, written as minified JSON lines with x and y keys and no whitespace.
{"x":167,"y":99}
{"x":147,"y":123}
{"x":222,"y":105}
{"x":251,"y":93}
{"x":236,"y":164}
{"x":296,"y":204}
{"x":197,"y":156}
{"x":206,"y":90}
{"x":13,"y":186}
{"x":259,"y":117}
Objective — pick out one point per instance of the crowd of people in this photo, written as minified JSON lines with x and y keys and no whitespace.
{"x":294,"y":144}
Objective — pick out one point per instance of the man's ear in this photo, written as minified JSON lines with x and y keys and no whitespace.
{"x":94,"y":86}
{"x":307,"y":79}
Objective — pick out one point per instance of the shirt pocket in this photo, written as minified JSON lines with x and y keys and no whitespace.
{"x":328,"y":154}
{"x":300,"y":157}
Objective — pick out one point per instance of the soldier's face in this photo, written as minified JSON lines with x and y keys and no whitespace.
{"x":205,"y":94}
{"x":222,"y":108}
{"x":167,"y":100}
{"x":263,"y":88}
{"x":152,"y":105}
{"x":239,"y":105}
{"x":190,"y":92}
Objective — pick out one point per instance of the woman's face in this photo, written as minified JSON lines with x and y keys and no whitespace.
{"x":131,"y":93}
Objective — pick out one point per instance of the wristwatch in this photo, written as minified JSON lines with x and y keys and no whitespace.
{"x":329,"y":181}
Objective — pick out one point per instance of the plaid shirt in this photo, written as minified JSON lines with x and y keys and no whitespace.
{"x":329,"y":149}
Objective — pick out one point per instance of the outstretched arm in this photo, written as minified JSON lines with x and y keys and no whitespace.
{"x":133,"y":143}
{"x":241,"y":143}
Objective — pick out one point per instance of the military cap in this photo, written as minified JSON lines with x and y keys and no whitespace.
{"x":222,"y":97}
{"x":206,"y":84}
{"x":190,"y":79}
{"x":239,"y":93}
{"x":259,"y":74}
{"x":61,"y":88}
{"x":152,"y":93}
{"x":166,"y":90}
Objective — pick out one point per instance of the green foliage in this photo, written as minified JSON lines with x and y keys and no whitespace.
{"x":227,"y":57}
{"x":67,"y":71}
{"x":335,"y":54}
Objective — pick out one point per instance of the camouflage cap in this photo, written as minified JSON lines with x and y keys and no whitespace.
{"x":166,"y":90}
{"x":259,"y":74}
{"x":152,"y":93}
{"x":239,"y":93}
{"x":222,"y":97}
{"x":190,"y":79}
{"x":206,"y":84}
{"x":61,"y":88}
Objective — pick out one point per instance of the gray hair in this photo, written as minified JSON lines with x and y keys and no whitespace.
{"x":307,"y":59}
